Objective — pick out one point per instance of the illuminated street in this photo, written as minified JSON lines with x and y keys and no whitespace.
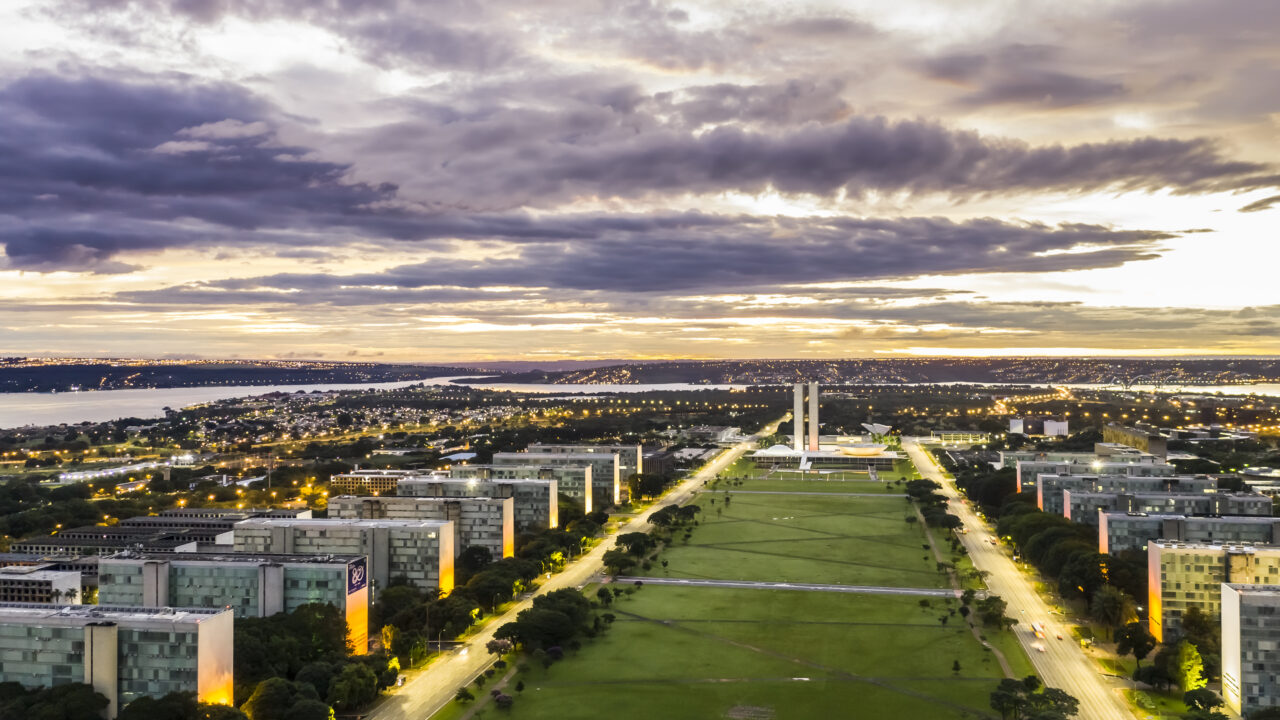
{"x":1063,"y":664}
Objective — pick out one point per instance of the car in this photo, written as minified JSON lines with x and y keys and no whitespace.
{"x":1038,"y":646}
{"x":1059,"y":636}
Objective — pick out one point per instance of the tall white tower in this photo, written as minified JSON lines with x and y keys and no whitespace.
{"x":813,"y":416}
{"x":798,"y":418}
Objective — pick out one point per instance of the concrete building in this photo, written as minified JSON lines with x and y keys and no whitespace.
{"x":367,"y":482}
{"x":1143,"y":437}
{"x":861,"y":457}
{"x":1049,"y":487}
{"x":1086,"y":464}
{"x":123,"y":652}
{"x":1185,"y":575}
{"x":250,"y":585}
{"x":1084,"y":507}
{"x":630,"y":456}
{"x":482,"y":521}
{"x":959,"y":437}
{"x":1250,"y":638}
{"x":39,"y":584}
{"x":573,"y":481}
{"x":109,"y":540}
{"x":711,"y":433}
{"x":1120,"y":531}
{"x":606,"y":476}
{"x":536,"y":502}
{"x":1038,"y":426}
{"x":420,"y":551}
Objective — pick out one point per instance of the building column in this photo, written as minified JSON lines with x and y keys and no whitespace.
{"x":813,"y":416}
{"x":798,"y":418}
{"x":102,"y":663}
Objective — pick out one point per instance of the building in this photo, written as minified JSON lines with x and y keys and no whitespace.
{"x":419,"y":551}
{"x":798,"y":441}
{"x":630,"y":456}
{"x":854,"y":457}
{"x":111,"y":539}
{"x":573,"y":481}
{"x":1084,"y":507}
{"x":1250,"y":637}
{"x":536,"y":506}
{"x":123,"y":652}
{"x":480,"y":521}
{"x":1038,"y":426}
{"x":711,"y":433}
{"x":1143,"y":437}
{"x":1086,"y":464}
{"x":250,"y":585}
{"x":367,"y":482}
{"x":39,"y":584}
{"x":959,"y":437}
{"x":1121,"y":531}
{"x":1185,"y":575}
{"x":1049,"y":487}
{"x":606,"y":475}
{"x":237,"y":514}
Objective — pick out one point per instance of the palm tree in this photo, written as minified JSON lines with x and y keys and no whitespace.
{"x":1111,"y":606}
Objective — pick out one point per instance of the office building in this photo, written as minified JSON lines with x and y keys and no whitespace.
{"x":606,"y":477}
{"x":630,"y":456}
{"x":109,"y":540}
{"x":1121,"y":531}
{"x":959,"y":437}
{"x":39,"y":584}
{"x":367,"y":482}
{"x":1084,"y":507}
{"x":1250,"y":638}
{"x":1049,"y":486}
{"x":250,"y":585}
{"x":1038,"y":426}
{"x":480,"y":521}
{"x":419,"y":551}
{"x":122,"y":652}
{"x":1185,"y":575}
{"x":1143,"y":437}
{"x":1028,"y":470}
{"x":573,"y":481}
{"x":536,"y":502}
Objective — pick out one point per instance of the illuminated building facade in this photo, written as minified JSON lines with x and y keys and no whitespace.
{"x":1185,"y":575}
{"x":573,"y":481}
{"x":480,"y":521}
{"x":1084,"y":507}
{"x":419,"y":551}
{"x":1049,"y":486}
{"x":536,"y":502}
{"x":606,"y":477}
{"x":123,"y":652}
{"x":1120,"y":531}
{"x":250,"y":585}
{"x":1250,"y":637}
{"x":630,"y":457}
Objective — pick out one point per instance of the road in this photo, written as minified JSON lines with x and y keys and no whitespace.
{"x":806,"y":587}
{"x":429,"y":691}
{"x":1063,"y":664}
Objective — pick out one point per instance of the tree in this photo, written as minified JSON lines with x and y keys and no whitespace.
{"x":1111,"y":606}
{"x":1155,"y":675}
{"x":354,"y":688}
{"x":1201,"y":699}
{"x":177,"y":706}
{"x":70,"y":701}
{"x":1018,"y":699}
{"x":1187,"y":668}
{"x":1133,"y":639}
{"x":464,"y":695}
{"x":605,"y":596}
{"x":318,"y":675}
{"x":309,"y":709}
{"x":273,"y":697}
{"x":618,"y":561}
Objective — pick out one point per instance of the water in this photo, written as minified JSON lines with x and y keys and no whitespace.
{"x":18,"y":409}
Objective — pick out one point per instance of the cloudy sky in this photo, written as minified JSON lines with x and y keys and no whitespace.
{"x":499,"y":179}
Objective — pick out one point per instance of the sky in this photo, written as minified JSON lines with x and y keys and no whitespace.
{"x":459,"y":180}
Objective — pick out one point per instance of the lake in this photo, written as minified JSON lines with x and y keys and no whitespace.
{"x":18,"y":409}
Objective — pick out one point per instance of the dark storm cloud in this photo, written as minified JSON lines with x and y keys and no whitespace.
{"x":1018,"y":74}
{"x":716,"y":255}
{"x":795,"y":101}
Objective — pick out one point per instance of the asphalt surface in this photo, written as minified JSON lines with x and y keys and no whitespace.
{"x":1063,"y":664}
{"x":428,"y":691}
{"x":806,"y":587}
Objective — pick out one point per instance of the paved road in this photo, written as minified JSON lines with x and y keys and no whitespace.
{"x":429,"y":691}
{"x":809,"y":587}
{"x":1063,"y":664}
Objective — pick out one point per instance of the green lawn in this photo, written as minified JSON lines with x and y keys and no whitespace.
{"x":805,"y":538}
{"x":713,"y":653}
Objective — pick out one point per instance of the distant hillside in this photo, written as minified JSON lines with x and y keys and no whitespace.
{"x":26,"y":375}
{"x":1172,"y":372}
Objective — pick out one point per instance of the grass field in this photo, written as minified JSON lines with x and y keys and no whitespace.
{"x":711,"y":653}
{"x":704,"y":652}
{"x":805,"y":538}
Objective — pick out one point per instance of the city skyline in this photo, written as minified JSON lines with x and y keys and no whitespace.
{"x":386,"y":181}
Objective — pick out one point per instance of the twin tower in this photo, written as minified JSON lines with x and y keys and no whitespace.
{"x":799,"y":417}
